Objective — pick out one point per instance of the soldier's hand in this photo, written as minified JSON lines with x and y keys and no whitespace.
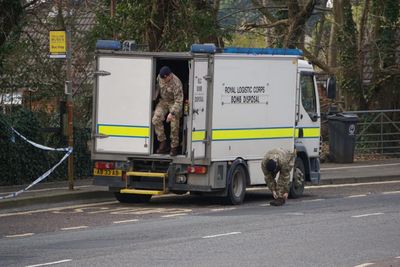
{"x":170,"y":117}
{"x":274,"y":194}
{"x":285,"y":196}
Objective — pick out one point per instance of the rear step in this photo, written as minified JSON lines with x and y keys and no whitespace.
{"x":157,"y":175}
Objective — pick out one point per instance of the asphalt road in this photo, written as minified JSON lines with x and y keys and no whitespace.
{"x":333,"y":225}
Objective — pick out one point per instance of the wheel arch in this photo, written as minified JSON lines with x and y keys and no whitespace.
{"x":236,"y":162}
{"x":302,"y":154}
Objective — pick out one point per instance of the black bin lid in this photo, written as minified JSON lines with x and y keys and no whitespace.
{"x":344,"y":117}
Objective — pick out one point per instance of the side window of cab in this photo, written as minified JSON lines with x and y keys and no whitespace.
{"x":308,"y":96}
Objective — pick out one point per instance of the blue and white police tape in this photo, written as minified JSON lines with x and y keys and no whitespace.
{"x":68,"y":151}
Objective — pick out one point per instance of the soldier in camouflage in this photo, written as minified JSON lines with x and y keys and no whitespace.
{"x":169,"y":88}
{"x":282,"y":161}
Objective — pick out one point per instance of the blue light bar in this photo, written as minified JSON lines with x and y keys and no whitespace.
{"x":203,"y":48}
{"x":108,"y":45}
{"x":264,"y":51}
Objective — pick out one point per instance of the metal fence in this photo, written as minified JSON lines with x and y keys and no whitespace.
{"x":378,"y":132}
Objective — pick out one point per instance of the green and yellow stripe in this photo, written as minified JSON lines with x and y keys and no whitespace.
{"x":252,"y":133}
{"x":309,"y":132}
{"x":198,"y":136}
{"x":123,"y":130}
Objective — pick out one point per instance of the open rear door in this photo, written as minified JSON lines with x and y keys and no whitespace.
{"x":199,"y":104}
{"x":123,"y":105}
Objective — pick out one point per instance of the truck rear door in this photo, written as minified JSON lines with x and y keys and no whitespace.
{"x":123,"y":105}
{"x":199,"y":104}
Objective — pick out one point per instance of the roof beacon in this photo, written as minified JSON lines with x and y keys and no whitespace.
{"x":108,"y":45}
{"x":203,"y":48}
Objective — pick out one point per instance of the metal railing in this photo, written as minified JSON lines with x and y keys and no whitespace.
{"x":378,"y":132}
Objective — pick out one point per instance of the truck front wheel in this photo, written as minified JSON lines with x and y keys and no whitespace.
{"x":298,"y":181}
{"x":237,"y":185}
{"x":132,"y":198}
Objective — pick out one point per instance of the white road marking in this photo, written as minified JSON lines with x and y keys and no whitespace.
{"x":104,"y":210}
{"x":354,"y":196}
{"x":145,"y":211}
{"x":174,"y":215}
{"x":56,"y":209}
{"x":231,"y":233}
{"x":331,"y":185}
{"x":295,"y":213}
{"x":391,"y":192}
{"x":49,"y":263}
{"x":20,"y":235}
{"x":398,"y":257}
{"x":349,"y":185}
{"x":313,"y":200}
{"x":222,"y":209}
{"x":265,"y":205}
{"x":366,"y":215}
{"x":364,"y":264}
{"x":126,"y":221}
{"x":360,"y":166}
{"x":74,"y":228}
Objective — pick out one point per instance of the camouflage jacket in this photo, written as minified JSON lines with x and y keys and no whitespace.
{"x":284,"y":158}
{"x":171,"y":92}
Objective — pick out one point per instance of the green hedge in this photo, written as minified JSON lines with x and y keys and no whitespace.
{"x":22,"y":163}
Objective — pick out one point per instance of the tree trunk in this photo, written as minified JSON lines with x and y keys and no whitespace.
{"x":361,"y":53}
{"x":158,"y":9}
{"x":297,"y":20}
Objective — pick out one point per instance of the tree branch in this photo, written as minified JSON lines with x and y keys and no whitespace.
{"x":316,"y":61}
{"x":283,"y":22}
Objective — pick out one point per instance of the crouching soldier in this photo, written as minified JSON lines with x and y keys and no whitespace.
{"x":274,"y":162}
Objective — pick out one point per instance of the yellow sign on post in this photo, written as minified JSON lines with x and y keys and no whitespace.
{"x":58,"y":44}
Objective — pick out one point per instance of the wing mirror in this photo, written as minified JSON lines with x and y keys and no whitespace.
{"x":331,"y":87}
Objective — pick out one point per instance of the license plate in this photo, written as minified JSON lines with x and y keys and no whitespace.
{"x":99,"y":172}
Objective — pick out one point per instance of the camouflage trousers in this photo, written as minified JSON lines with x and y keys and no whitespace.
{"x":160,"y":113}
{"x":281,"y":186}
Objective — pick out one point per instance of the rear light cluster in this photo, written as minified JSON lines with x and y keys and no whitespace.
{"x":197,"y":169}
{"x":104,"y":165}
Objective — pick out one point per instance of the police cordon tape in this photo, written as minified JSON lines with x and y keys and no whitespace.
{"x":68,"y":151}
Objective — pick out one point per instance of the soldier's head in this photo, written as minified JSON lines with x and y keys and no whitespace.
{"x":165,"y":73}
{"x":272,"y":166}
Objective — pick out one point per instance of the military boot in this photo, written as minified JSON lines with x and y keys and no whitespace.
{"x":277,"y":202}
{"x":174,"y":151}
{"x":162,"y":148}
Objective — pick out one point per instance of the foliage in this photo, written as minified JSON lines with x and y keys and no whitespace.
{"x":349,"y":80}
{"x":22,"y":163}
{"x":10,"y":12}
{"x":246,"y":40}
{"x":27,"y":66}
{"x":160,"y":25}
{"x":386,"y":78}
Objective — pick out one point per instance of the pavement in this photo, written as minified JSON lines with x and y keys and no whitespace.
{"x":58,"y":192}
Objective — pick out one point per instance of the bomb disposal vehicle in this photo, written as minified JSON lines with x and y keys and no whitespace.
{"x":239,"y":103}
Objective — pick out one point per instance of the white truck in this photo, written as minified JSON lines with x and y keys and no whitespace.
{"x":239,"y":103}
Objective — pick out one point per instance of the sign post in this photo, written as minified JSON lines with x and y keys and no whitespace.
{"x":60,"y":47}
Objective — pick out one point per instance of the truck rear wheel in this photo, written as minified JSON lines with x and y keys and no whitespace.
{"x":298,"y":182}
{"x":237,"y":185}
{"x":132,"y":198}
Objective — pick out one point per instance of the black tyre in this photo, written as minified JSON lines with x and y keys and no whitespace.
{"x":237,"y":185}
{"x":132,"y":198}
{"x":299,"y":179}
